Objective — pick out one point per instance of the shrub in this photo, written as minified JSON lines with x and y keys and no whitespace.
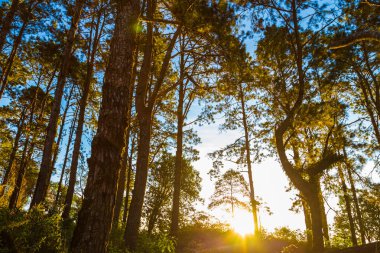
{"x":160,"y":243}
{"x":31,"y":231}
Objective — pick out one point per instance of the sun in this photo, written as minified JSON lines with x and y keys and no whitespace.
{"x":242,"y":222}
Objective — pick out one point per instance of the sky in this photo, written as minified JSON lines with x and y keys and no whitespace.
{"x":270,"y":182}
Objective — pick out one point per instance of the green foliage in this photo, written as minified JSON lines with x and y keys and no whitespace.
{"x":31,"y":231}
{"x":369,"y":202}
{"x":160,"y":243}
{"x":158,"y":202}
{"x":286,"y":234}
{"x":116,"y":243}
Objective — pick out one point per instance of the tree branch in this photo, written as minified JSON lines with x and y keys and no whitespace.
{"x":324,"y":164}
{"x":355,"y":38}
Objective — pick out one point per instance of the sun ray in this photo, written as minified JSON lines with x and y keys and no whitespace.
{"x":242,"y":222}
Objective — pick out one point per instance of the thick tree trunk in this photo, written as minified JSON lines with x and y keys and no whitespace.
{"x":6,"y":23}
{"x":43,"y":180}
{"x":316,"y":221}
{"x":66,"y":158}
{"x":309,"y":189}
{"x":96,"y":215}
{"x":347,"y":202}
{"x":135,"y":209}
{"x":178,"y":162}
{"x":249,"y":161}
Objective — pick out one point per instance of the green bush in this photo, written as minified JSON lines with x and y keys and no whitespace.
{"x":32,"y":231}
{"x":116,"y":242}
{"x":160,"y":243}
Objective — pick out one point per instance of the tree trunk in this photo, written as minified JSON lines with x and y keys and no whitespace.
{"x":143,"y":147}
{"x":357,"y":206}
{"x":153,"y":219}
{"x":7,"y":23}
{"x":20,"y":176}
{"x":178,"y":159}
{"x":96,"y":215}
{"x":20,"y":126}
{"x":316,"y":221}
{"x":306,"y":211}
{"x":323,"y":214}
{"x":9,"y":63}
{"x":71,"y":134}
{"x":93,"y":46}
{"x":145,"y":111}
{"x":135,"y":209}
{"x":129,"y":179}
{"x":125,"y":164}
{"x":24,"y":161}
{"x":121,"y":181}
{"x":59,"y":139}
{"x":43,"y":180}
{"x":74,"y":164}
{"x":249,"y":162}
{"x":347,"y":202}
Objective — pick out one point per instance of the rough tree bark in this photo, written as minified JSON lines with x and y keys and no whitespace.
{"x":43,"y":180}
{"x":96,"y":215}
